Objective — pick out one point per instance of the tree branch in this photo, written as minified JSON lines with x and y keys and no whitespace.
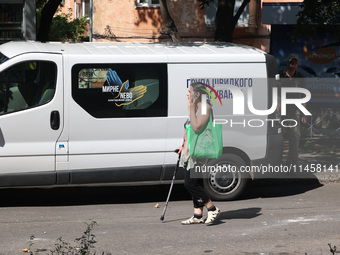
{"x":47,"y":14}
{"x":239,"y":11}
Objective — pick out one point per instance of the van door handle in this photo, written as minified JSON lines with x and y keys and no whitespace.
{"x":55,"y":120}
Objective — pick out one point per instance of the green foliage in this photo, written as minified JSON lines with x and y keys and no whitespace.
{"x":316,"y":14}
{"x":84,"y":244}
{"x":332,"y":249}
{"x":39,"y":4}
{"x":86,"y":241}
{"x":63,"y":247}
{"x":64,"y":28}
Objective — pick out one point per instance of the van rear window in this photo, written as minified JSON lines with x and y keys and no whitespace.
{"x":121,"y":90}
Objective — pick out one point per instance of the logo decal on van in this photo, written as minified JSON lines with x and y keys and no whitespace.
{"x":126,"y":95}
{"x":213,"y":90}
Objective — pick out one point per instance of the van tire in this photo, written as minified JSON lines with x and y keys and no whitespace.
{"x":225,"y":185}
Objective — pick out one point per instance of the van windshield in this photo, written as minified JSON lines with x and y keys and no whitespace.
{"x":3,"y":58}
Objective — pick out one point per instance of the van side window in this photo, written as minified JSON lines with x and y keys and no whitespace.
{"x":27,"y":84}
{"x":121,"y":90}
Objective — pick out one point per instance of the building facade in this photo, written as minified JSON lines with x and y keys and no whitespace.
{"x":141,"y":20}
{"x":17,"y":20}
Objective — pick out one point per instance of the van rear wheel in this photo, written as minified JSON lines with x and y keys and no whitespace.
{"x":227,"y":182}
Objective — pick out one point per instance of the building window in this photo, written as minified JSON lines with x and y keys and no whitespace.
{"x":147,"y":3}
{"x":121,"y":90}
{"x":81,"y":8}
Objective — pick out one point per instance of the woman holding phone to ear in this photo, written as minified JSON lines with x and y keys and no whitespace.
{"x":193,"y":181}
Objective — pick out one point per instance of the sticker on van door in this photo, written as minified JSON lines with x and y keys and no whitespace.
{"x":125,"y":94}
{"x":121,"y":90}
{"x":109,"y":81}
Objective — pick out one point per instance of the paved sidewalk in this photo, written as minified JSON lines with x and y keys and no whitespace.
{"x":325,"y":167}
{"x":321,"y":158}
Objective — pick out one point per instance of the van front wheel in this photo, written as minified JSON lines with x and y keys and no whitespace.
{"x":224,"y":180}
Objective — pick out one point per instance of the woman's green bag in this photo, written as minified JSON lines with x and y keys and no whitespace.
{"x":208,"y":143}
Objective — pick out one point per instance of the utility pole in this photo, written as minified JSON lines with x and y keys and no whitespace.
{"x":91,"y":21}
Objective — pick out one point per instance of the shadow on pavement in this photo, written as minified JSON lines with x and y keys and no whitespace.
{"x":267,"y":188}
{"x":89,"y":195}
{"x":247,"y":213}
{"x":140,"y":194}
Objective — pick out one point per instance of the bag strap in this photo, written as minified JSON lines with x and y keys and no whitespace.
{"x":211,"y":115}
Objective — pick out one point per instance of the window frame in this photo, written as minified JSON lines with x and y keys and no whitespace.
{"x":80,"y":10}
{"x":7,"y":87}
{"x":146,"y":5}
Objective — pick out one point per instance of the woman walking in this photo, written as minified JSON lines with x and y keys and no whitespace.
{"x":193,"y":181}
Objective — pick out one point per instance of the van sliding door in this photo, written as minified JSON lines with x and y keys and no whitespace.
{"x":117,"y":122}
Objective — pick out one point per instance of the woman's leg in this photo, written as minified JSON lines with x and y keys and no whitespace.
{"x":195,"y":187}
{"x":200,"y":199}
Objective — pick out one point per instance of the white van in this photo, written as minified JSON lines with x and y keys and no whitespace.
{"x":113,"y":113}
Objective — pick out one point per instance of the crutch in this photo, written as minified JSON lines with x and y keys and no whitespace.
{"x":172,"y":184}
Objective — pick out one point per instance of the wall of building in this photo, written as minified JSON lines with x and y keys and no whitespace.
{"x":126,"y":22}
{"x":121,"y":20}
{"x":143,"y":23}
{"x":189,"y":20}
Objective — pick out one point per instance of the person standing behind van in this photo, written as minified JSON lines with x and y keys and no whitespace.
{"x":290,"y":77}
{"x":193,"y":181}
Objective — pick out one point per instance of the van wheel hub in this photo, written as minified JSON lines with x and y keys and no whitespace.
{"x":223,"y":182}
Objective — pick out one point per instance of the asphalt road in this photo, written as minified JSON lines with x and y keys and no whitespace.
{"x":270,"y":218}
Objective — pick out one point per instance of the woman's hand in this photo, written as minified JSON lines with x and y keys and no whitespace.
{"x":179,"y":149}
{"x":193,"y":102}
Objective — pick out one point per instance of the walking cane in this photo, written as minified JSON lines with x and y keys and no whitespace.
{"x":172,"y":184}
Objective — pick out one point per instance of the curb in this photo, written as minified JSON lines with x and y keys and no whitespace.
{"x":326,"y":179}
{"x":325,"y":167}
